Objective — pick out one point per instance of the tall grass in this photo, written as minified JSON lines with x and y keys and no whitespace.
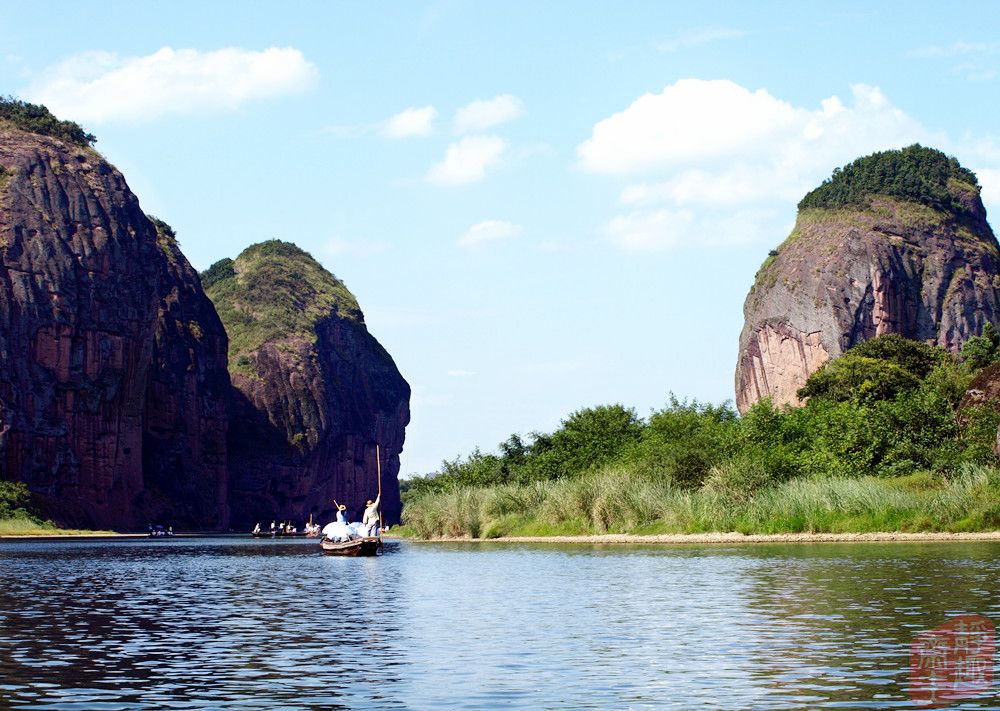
{"x":21,"y":524}
{"x":618,"y":500}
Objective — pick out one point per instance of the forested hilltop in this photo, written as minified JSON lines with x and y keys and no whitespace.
{"x":885,"y":442}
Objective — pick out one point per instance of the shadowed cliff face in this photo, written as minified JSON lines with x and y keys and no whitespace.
{"x":849,"y":274}
{"x":315,"y":391}
{"x":187,"y":393}
{"x":111,"y":409}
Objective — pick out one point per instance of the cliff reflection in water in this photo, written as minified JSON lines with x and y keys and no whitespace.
{"x":227,"y":622}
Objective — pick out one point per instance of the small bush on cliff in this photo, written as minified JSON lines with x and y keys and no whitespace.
{"x":38,"y":119}
{"x":914,"y":173}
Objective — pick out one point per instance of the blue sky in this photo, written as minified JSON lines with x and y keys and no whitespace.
{"x":540,"y":206}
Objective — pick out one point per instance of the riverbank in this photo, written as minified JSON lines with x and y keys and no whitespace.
{"x":21,"y":527}
{"x":729,"y":538}
{"x":619,"y":502}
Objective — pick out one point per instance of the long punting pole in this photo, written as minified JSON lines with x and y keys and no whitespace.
{"x":378,"y":463}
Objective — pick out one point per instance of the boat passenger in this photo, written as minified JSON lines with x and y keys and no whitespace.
{"x":370,"y":519}
{"x":338,"y":530}
{"x":256,"y":529}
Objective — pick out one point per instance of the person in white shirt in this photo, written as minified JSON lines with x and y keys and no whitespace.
{"x":370,"y":519}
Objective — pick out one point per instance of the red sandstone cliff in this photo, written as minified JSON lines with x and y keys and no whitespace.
{"x":113,"y":377}
{"x":848,"y":274}
{"x":315,"y":392}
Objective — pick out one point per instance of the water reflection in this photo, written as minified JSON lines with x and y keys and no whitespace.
{"x":239,"y":623}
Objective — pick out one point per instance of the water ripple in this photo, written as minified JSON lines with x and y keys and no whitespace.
{"x":231,"y":623}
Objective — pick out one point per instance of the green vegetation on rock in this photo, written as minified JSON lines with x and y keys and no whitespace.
{"x":273,"y":291}
{"x":166,"y":239}
{"x":18,"y":516}
{"x":916,"y":173}
{"x":35,"y":118}
{"x":221,"y":270}
{"x":878,"y":446}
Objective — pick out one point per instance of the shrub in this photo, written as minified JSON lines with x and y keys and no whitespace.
{"x":38,"y":119}
{"x":983,"y":350}
{"x":14,"y":495}
{"x":221,"y":270}
{"x":915,"y":173}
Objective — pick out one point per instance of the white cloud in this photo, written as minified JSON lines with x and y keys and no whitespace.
{"x":489,"y":231}
{"x":651,"y":231}
{"x":979,"y":65}
{"x":670,"y":228}
{"x":467,"y":160}
{"x":956,"y":49}
{"x":100,"y":86}
{"x":698,"y":36}
{"x":691,"y":119}
{"x":486,"y":113}
{"x":736,"y":185}
{"x":694,"y":121}
{"x":972,"y":71}
{"x":711,"y":162}
{"x":716,"y":143}
{"x":411,"y":122}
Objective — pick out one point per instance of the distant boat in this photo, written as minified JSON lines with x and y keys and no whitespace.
{"x":278,"y":533}
{"x":357,"y":547}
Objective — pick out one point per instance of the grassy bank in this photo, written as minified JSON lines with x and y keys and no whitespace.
{"x":18,"y":517}
{"x":26,"y":525}
{"x":615,"y":500}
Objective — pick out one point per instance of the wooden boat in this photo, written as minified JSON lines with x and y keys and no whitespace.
{"x":278,"y":534}
{"x":357,"y":547}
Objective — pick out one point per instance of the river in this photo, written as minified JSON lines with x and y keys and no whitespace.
{"x":226,"y":622}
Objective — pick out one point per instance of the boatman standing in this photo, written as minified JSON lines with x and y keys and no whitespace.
{"x":370,"y":519}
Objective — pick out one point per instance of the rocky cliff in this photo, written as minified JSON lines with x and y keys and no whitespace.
{"x":896,"y":242}
{"x":315,"y":391}
{"x":113,"y":380}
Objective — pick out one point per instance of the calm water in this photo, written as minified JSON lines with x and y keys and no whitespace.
{"x":240,"y":623}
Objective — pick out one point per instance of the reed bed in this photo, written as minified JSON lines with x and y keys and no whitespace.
{"x":619,"y":500}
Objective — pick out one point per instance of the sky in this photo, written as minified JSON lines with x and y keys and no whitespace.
{"x":539,"y":206}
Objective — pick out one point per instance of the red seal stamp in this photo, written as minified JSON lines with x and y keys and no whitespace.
{"x":952,"y":661}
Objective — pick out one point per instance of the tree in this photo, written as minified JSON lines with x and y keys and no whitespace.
{"x":983,"y":350}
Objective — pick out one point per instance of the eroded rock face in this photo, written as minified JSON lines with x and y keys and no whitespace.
{"x":184,"y":457}
{"x":315,"y":392}
{"x":847,"y":275}
{"x":111,"y":409}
